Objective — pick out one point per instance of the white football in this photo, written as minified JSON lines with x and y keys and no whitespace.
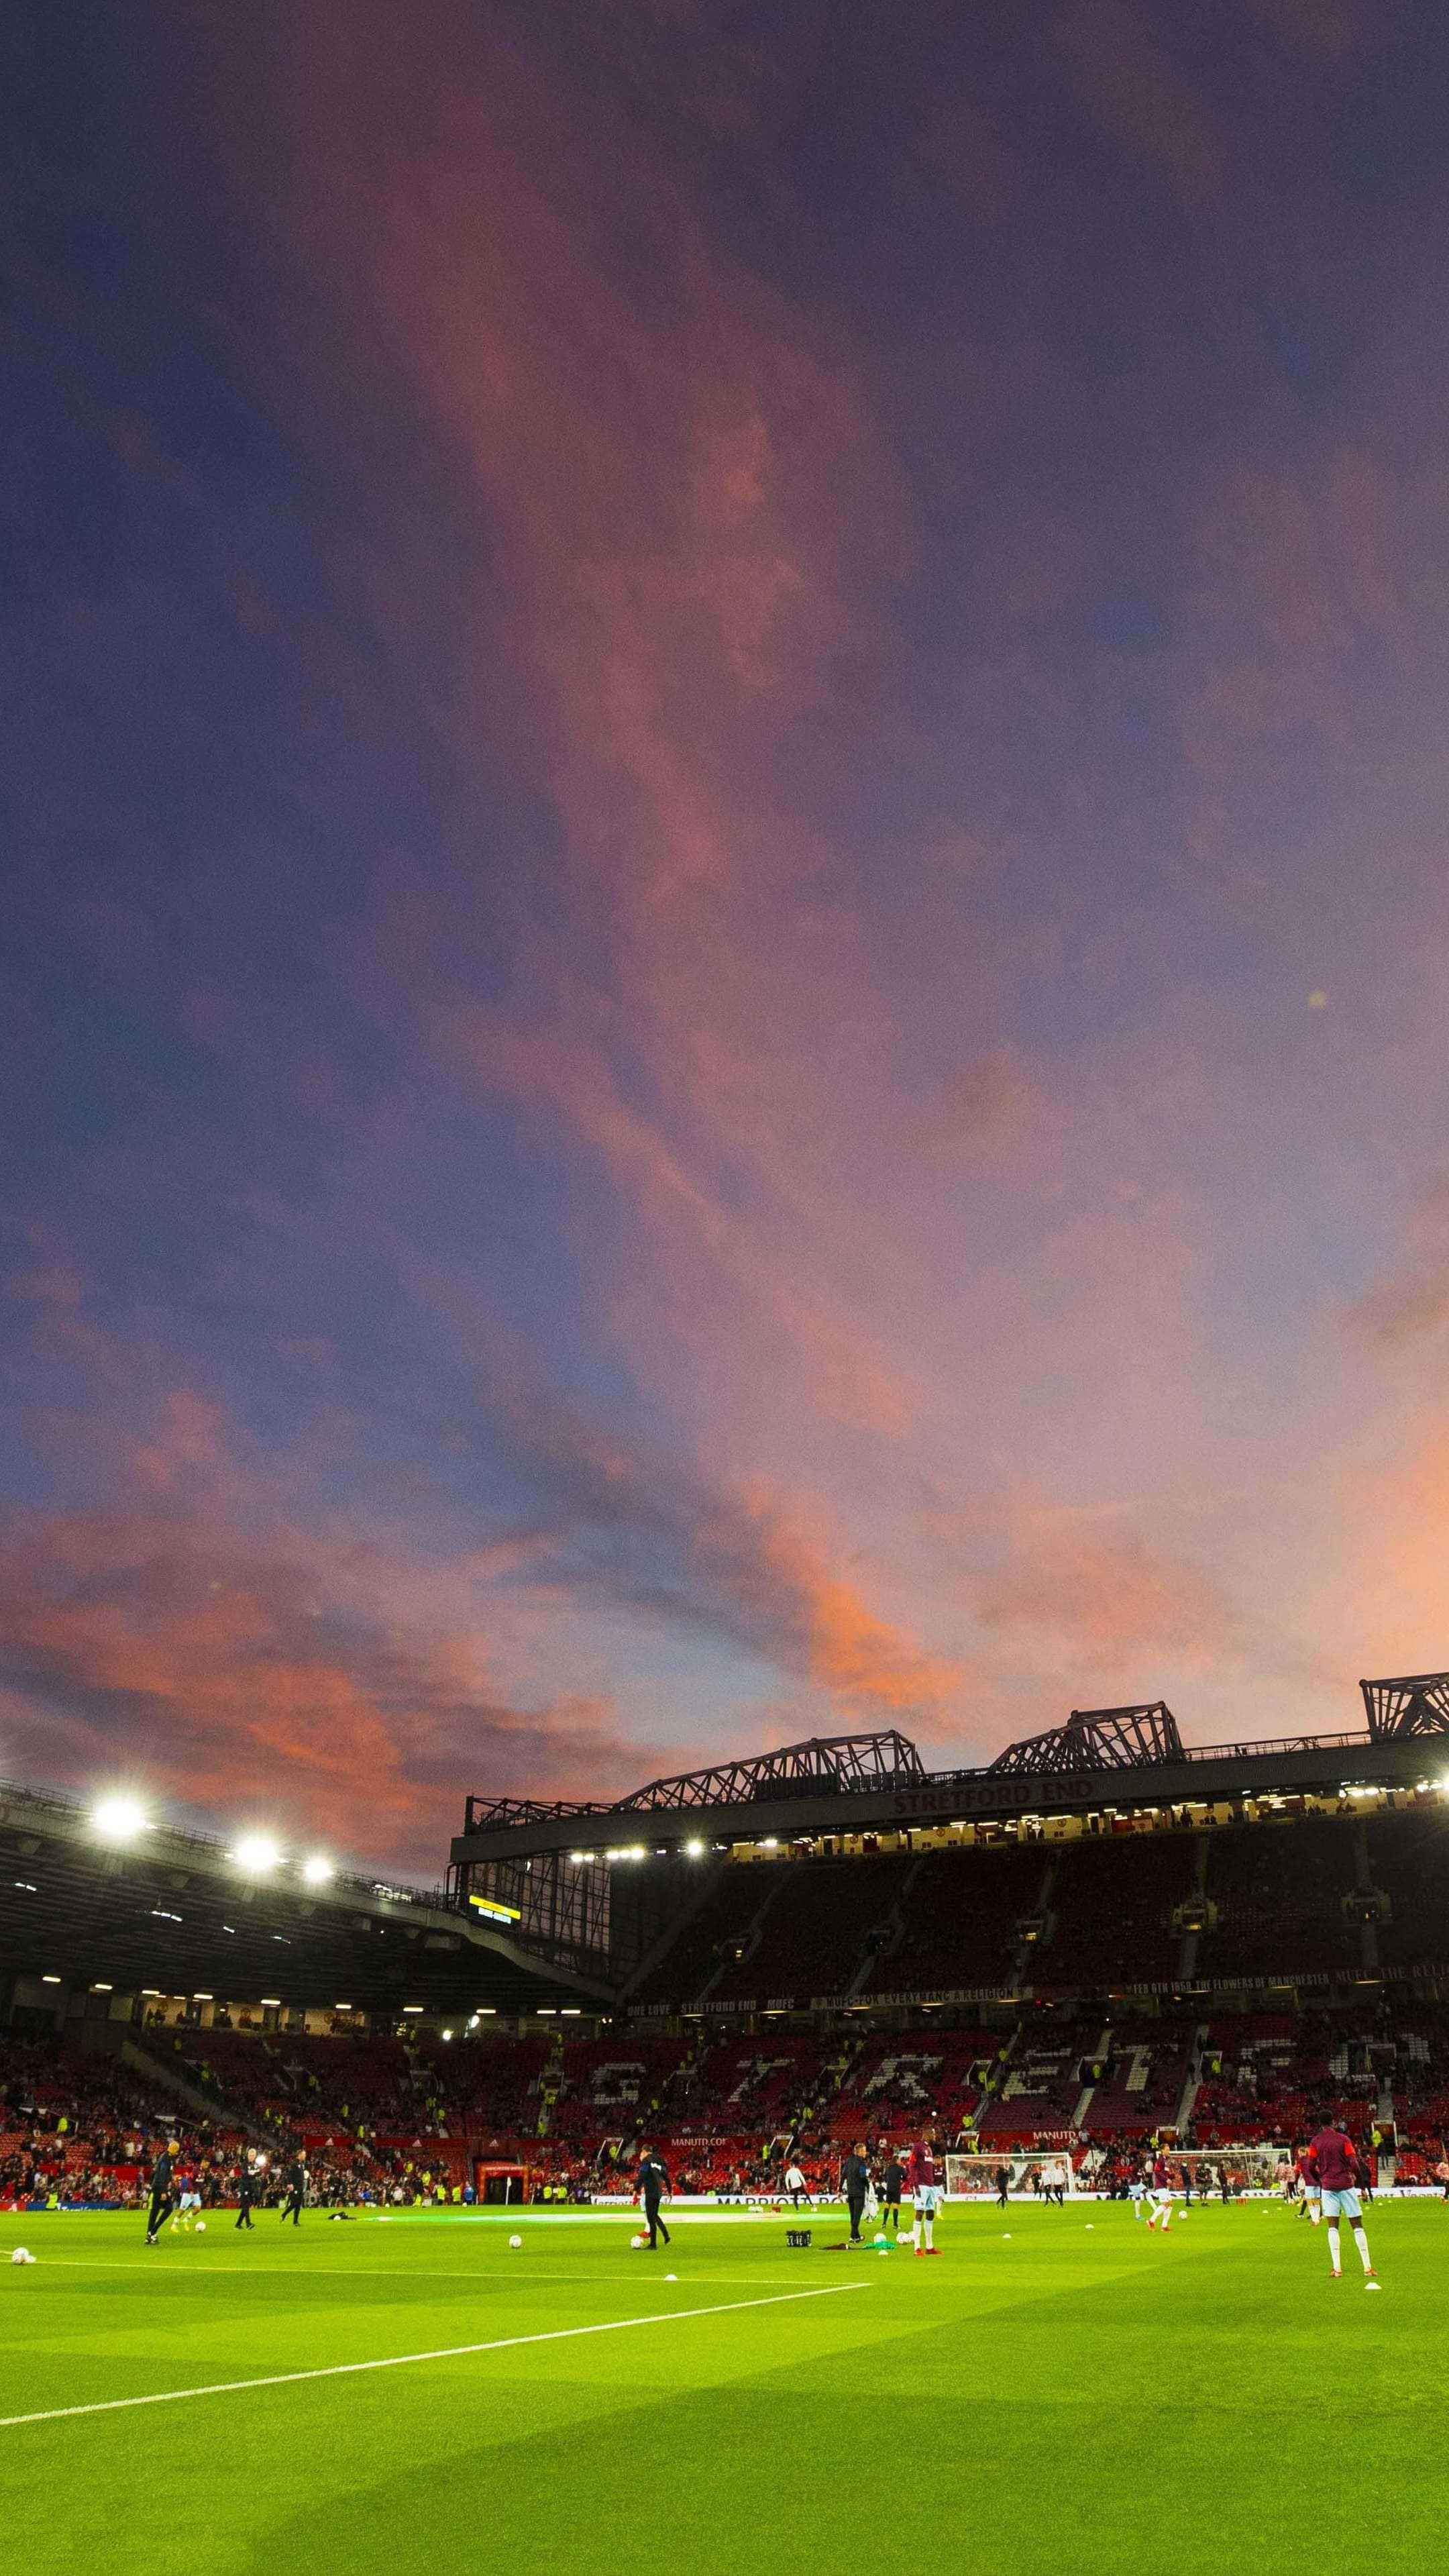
{"x":671,"y":2276}
{"x":201,"y":2227}
{"x":515,"y":2240}
{"x":21,"y":2255}
{"x":637,"y":2241}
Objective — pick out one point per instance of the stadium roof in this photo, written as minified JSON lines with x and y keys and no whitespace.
{"x":173,"y":1911}
{"x":877,"y":1782}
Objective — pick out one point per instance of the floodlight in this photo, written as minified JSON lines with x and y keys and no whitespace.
{"x":274,"y":2000}
{"x":256,"y":1854}
{"x":50,"y":1981}
{"x":447,"y":2034}
{"x":317,"y":1870}
{"x":118,"y":1820}
{"x":414,"y":2007}
{"x":695,"y":1850}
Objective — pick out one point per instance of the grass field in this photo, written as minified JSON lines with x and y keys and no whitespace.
{"x":1067,"y":2397}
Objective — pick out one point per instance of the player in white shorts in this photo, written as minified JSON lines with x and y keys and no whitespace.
{"x":925,"y":2190}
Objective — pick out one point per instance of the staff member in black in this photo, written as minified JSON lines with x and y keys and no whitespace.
{"x":1002,"y":2180}
{"x":892,"y":2183}
{"x":855,"y":2180}
{"x":653,"y":2183}
{"x":246,"y":2186}
{"x":296,"y":2180}
{"x":161,"y":2200}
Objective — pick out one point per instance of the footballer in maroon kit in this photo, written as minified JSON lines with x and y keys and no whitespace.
{"x":923,"y":2182}
{"x":1332,"y":2165}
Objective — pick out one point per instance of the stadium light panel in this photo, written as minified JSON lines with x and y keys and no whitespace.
{"x":547,"y":2011}
{"x":414,"y":2007}
{"x":317,"y":1870}
{"x":770,"y":1843}
{"x":256,"y":1854}
{"x":118,"y":1820}
{"x":571,"y":2012}
{"x":342,"y":2007}
{"x":102,"y":1990}
{"x":273,"y":1999}
{"x":50,"y":1981}
{"x":203,"y":1999}
{"x":487,"y":2012}
{"x":695,"y":1850}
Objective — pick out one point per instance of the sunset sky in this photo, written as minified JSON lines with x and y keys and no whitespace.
{"x":727,"y":887}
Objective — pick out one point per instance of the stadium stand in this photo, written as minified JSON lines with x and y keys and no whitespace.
{"x":721,"y":1923}
{"x":1278,"y":1891}
{"x":959,"y":1915}
{"x":1409,"y":1862}
{"x":816,"y":1931}
{"x":1112,"y":1911}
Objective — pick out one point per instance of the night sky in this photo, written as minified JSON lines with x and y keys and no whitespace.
{"x":726,"y":912}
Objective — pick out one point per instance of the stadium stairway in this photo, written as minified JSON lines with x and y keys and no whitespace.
{"x":895,"y":1929}
{"x":1193,"y":2077}
{"x":550,"y":2085}
{"x":206,"y":2102}
{"x":753,"y":1934}
{"x":1026,"y":1952}
{"x":708,"y":1881}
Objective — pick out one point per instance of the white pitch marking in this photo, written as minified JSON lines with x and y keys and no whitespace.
{"x":449,"y":2352}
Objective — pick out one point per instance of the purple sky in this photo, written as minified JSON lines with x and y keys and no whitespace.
{"x":726,"y":895}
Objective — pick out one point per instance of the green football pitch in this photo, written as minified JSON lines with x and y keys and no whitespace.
{"x":412,"y":2395}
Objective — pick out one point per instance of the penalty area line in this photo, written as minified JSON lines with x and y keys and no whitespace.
{"x":447,"y":2352}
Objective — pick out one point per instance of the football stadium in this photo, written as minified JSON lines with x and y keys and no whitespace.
{"x":724,"y":1288}
{"x":595,"y":2209}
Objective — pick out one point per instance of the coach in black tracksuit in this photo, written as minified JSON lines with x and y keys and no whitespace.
{"x":855,"y":2182}
{"x":161,"y":2201}
{"x":653,"y":2183}
{"x":246,"y":2185}
{"x":296,"y":2187}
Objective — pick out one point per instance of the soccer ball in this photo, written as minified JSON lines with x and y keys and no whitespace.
{"x":201,"y":2227}
{"x":21,"y":2255}
{"x":671,"y":2276}
{"x":515,"y":2241}
{"x":882,"y":2245}
{"x":637,"y":2241}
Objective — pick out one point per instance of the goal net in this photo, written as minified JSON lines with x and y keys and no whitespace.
{"x":973,"y":2173}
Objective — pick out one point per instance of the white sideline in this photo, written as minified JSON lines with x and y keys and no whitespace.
{"x":449,"y":2352}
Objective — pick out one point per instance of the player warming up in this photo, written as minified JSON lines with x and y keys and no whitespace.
{"x":1161,"y":2209}
{"x":923,"y":2182}
{"x":1332,"y":2165}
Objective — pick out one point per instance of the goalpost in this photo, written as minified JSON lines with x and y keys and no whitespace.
{"x":971,"y":2173}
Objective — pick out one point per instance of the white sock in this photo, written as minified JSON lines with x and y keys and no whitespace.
{"x":1314,"y":2212}
{"x":1361,"y":2241}
{"x":1333,"y":2244}
{"x":928,"y":2223}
